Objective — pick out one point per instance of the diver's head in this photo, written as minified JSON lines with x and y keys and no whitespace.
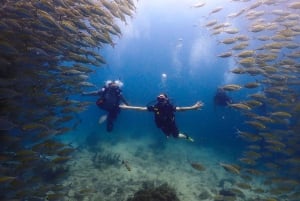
{"x":116,"y":83}
{"x":108,"y":83}
{"x":162,"y":98}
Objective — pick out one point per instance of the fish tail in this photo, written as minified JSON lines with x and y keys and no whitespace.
{"x":237,"y":131}
{"x":228,"y":104}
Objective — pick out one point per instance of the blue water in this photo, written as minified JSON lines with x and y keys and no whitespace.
{"x":173,"y":40}
{"x":165,"y":47}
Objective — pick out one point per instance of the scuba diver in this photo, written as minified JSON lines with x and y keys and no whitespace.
{"x":221,"y":98}
{"x":110,"y":99}
{"x":164,"y":115}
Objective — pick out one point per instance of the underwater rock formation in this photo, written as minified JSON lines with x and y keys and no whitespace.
{"x":161,"y":193}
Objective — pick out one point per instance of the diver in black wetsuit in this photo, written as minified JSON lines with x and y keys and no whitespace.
{"x":164,"y":115}
{"x":110,"y":99}
{"x":221,"y":98}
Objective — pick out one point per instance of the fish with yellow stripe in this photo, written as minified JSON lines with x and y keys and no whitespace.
{"x":230,"y":168}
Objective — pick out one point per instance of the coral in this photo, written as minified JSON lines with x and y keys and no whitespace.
{"x":103,"y":159}
{"x":161,"y":193}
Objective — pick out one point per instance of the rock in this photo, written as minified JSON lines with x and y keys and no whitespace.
{"x":107,"y":191}
{"x":204,"y":195}
{"x":160,"y":193}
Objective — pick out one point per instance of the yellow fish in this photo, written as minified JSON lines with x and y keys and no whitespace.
{"x":230,"y":168}
{"x":239,"y":106}
{"x":126,"y":164}
{"x":198,"y":166}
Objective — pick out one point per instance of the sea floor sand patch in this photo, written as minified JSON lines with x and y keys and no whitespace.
{"x":130,"y":165}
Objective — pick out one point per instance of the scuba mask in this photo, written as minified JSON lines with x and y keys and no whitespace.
{"x":117,"y":83}
{"x":162,"y":98}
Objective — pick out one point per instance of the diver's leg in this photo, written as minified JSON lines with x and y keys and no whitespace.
{"x":112,"y":116}
{"x":176,"y":134}
{"x":110,"y":121}
{"x":186,"y":137}
{"x":166,"y":131}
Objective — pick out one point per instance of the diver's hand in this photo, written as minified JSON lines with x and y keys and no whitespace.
{"x":198,"y":105}
{"x":123,"y":106}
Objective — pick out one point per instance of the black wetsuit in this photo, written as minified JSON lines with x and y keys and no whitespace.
{"x":165,"y":118}
{"x":110,"y":98}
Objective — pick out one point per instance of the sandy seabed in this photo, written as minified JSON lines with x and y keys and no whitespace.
{"x":90,"y":180}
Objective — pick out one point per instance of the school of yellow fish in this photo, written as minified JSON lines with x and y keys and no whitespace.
{"x":272,"y":106}
{"x":48,"y":48}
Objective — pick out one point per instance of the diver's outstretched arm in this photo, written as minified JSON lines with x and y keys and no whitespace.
{"x":133,"y":107}
{"x":198,"y":105}
{"x":124,"y":100}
